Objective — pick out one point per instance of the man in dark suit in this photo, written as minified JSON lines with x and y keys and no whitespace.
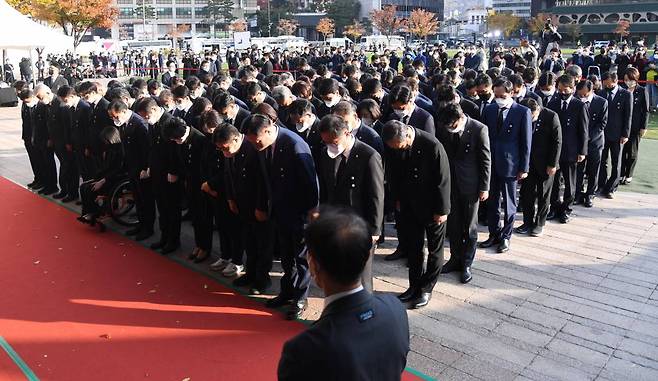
{"x":69,"y":178}
{"x":521,"y":91}
{"x":553,"y":64}
{"x":329,"y":93}
{"x":225,"y":105}
{"x":55,"y":81}
{"x":617,"y":131}
{"x":404,"y":110}
{"x":485,"y":92}
{"x":306,"y":125}
{"x":510,"y":139}
{"x":91,"y":92}
{"x":347,"y":112}
{"x":351,"y":174}
{"x":42,"y":116}
{"x":135,"y":139}
{"x":574,"y":122}
{"x":446,"y":95}
{"x":169,"y":74}
{"x":29,"y":102}
{"x":597,"y":112}
{"x":639,"y":123}
{"x":466,"y":142}
{"x":359,"y":335}
{"x":291,"y":180}
{"x":419,"y":173}
{"x":544,"y":158}
{"x":546,"y":87}
{"x":81,"y":114}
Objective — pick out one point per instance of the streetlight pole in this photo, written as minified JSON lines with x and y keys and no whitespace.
{"x":269,"y":20}
{"x":144,"y":19}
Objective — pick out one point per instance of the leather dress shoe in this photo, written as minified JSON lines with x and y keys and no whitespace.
{"x":60,"y":195}
{"x":564,"y":218}
{"x":523,"y":229}
{"x":466,"y":275}
{"x":36,"y":186}
{"x":490,"y":242}
{"x":69,"y":198}
{"x":588,"y":203}
{"x":201,"y":256}
{"x":408,"y":295}
{"x":170,"y":248}
{"x":397,"y":254}
{"x":158,"y":245}
{"x":143,"y":235}
{"x":133,"y":231}
{"x":450,"y":266}
{"x":48,"y":191}
{"x":609,"y":195}
{"x":503,"y":247}
{"x":260,"y":288}
{"x":277,"y":301}
{"x":296,"y":309}
{"x":32,"y":184}
{"x":421,"y":301}
{"x":551,"y":215}
{"x":537,"y":231}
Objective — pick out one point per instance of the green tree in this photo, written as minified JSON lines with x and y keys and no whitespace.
{"x":144,"y":10}
{"x":278,"y":10}
{"x":219,"y":13}
{"x":343,"y":13}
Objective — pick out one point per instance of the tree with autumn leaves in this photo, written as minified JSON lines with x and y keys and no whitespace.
{"x":387,"y":21}
{"x":326,"y":26}
{"x":287,"y":27}
{"x":622,"y":29}
{"x":505,"y":22}
{"x":354,"y":30}
{"x":422,"y":23}
{"x":75,"y":17}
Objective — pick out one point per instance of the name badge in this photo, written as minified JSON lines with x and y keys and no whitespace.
{"x":367,"y":315}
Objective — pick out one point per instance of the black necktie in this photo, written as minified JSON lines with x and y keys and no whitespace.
{"x":564,"y":106}
{"x":405,"y":119}
{"x":500,"y":118}
{"x":340,"y":166}
{"x":610,"y":96}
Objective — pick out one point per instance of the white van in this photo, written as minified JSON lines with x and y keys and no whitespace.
{"x":377,"y":41}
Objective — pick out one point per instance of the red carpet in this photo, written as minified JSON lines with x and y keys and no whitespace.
{"x":79,"y":305}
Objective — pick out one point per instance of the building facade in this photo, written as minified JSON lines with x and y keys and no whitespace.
{"x":187,"y":17}
{"x":520,"y":8}
{"x":598,"y":19}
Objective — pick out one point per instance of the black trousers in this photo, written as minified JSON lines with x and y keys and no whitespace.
{"x":610,"y":184}
{"x":195,"y":203}
{"x":84,"y":164}
{"x":296,"y":277}
{"x":35,"y":159}
{"x":412,"y":235}
{"x":145,"y":203}
{"x":462,"y":228}
{"x":88,"y":196}
{"x":590,"y":168}
{"x":629,"y":155}
{"x":69,"y":180}
{"x":258,"y":238}
{"x":502,"y":193}
{"x":567,"y":172}
{"x":48,"y":167}
{"x":536,"y":189}
{"x":172,"y":200}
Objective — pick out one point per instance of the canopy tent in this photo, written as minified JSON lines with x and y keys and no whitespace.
{"x":18,"y":31}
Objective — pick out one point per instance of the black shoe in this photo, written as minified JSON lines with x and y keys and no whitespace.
{"x":537,"y":231}
{"x":579,"y":200}
{"x":564,"y":218}
{"x":260,"y":288}
{"x":133,"y":231}
{"x":296,"y":310}
{"x":158,"y":245}
{"x":490,"y":242}
{"x":408,"y":295}
{"x":201,"y":256}
{"x":588,"y":203}
{"x":503,"y":247}
{"x":170,"y":248}
{"x":60,"y":195}
{"x":36,"y":186}
{"x":69,"y":198}
{"x":551,"y":215}
{"x":421,"y":301}
{"x":143,"y":235}
{"x":397,"y":254}
{"x":242,"y":281}
{"x":523,"y":229}
{"x":450,"y":266}
{"x":32,"y":184}
{"x":609,"y":195}
{"x":48,"y":191}
{"x":466,"y":275}
{"x":277,"y":301}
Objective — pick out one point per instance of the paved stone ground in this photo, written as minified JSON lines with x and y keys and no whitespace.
{"x":579,"y":303}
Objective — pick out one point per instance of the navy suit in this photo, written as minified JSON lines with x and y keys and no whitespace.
{"x":419,"y":119}
{"x":620,"y":114}
{"x":597,"y":112}
{"x":358,"y":337}
{"x":292,"y":186}
{"x":510,"y":154}
{"x":369,"y":136}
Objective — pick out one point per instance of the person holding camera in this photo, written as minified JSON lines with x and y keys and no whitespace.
{"x":550,"y":38}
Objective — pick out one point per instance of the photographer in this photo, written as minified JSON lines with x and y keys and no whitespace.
{"x":549,"y":36}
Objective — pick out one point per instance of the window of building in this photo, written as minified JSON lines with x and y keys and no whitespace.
{"x":183,"y":1}
{"x":163,"y":1}
{"x":124,"y":2}
{"x":165,"y":13}
{"x":200,"y":12}
{"x":184,"y":12}
{"x":125,"y":13}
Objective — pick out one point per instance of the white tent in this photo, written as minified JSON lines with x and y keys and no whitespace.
{"x":18,"y":31}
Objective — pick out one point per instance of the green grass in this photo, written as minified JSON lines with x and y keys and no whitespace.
{"x":652,"y":132}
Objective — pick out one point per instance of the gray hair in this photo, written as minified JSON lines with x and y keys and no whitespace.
{"x":279,"y":93}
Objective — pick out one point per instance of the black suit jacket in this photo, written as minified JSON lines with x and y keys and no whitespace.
{"x":529,"y":94}
{"x":99,"y":120}
{"x":546,"y":141}
{"x":360,"y":185}
{"x":575,"y":128}
{"x":186,"y":162}
{"x":620,"y":115}
{"x":420,"y":177}
{"x":598,"y":119}
{"x":81,"y":125}
{"x":135,"y":139}
{"x":26,"y":126}
{"x":470,"y":108}
{"x":358,"y":337}
{"x":243,"y":183}
{"x":312,"y":137}
{"x":160,"y":151}
{"x":419,"y":119}
{"x":369,"y":136}
{"x":640,"y":118}
{"x":469,"y":156}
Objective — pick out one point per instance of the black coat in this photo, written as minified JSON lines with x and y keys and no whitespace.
{"x":111,"y":163}
{"x":620,"y":115}
{"x":360,"y":185}
{"x":55,"y":85}
{"x":99,"y":120}
{"x":26,"y":125}
{"x":81,"y":126}
{"x":369,"y":136}
{"x":640,"y":119}
{"x":575,"y":128}
{"x":40,"y":119}
{"x":135,"y":139}
{"x":312,"y":137}
{"x":546,"y":141}
{"x":419,"y":119}
{"x":598,"y":119}
{"x":243,"y":182}
{"x":358,"y":337}
{"x":160,"y":150}
{"x":421,"y":182}
{"x":186,"y":162}
{"x":469,"y":156}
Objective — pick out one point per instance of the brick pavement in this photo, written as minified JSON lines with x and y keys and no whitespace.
{"x":579,"y":303}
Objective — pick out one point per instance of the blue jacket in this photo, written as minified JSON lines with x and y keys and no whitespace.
{"x":510,"y":147}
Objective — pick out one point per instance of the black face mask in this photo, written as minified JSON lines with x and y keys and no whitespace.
{"x":485,"y":96}
{"x":564,"y":97}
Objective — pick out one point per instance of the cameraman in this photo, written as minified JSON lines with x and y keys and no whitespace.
{"x":549,"y":35}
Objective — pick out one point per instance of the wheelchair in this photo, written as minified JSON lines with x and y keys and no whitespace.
{"x":118,"y":204}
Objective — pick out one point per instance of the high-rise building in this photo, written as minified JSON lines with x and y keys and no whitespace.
{"x":188,"y":17}
{"x":520,"y":8}
{"x":404,"y":7}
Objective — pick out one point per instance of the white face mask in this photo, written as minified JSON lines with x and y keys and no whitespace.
{"x":630,"y":84}
{"x":333,"y":150}
{"x":367,"y":121}
{"x":301,"y":127}
{"x":332,"y":102}
{"x":117,"y":122}
{"x":548,"y":93}
{"x":31,"y":104}
{"x":504,"y":102}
